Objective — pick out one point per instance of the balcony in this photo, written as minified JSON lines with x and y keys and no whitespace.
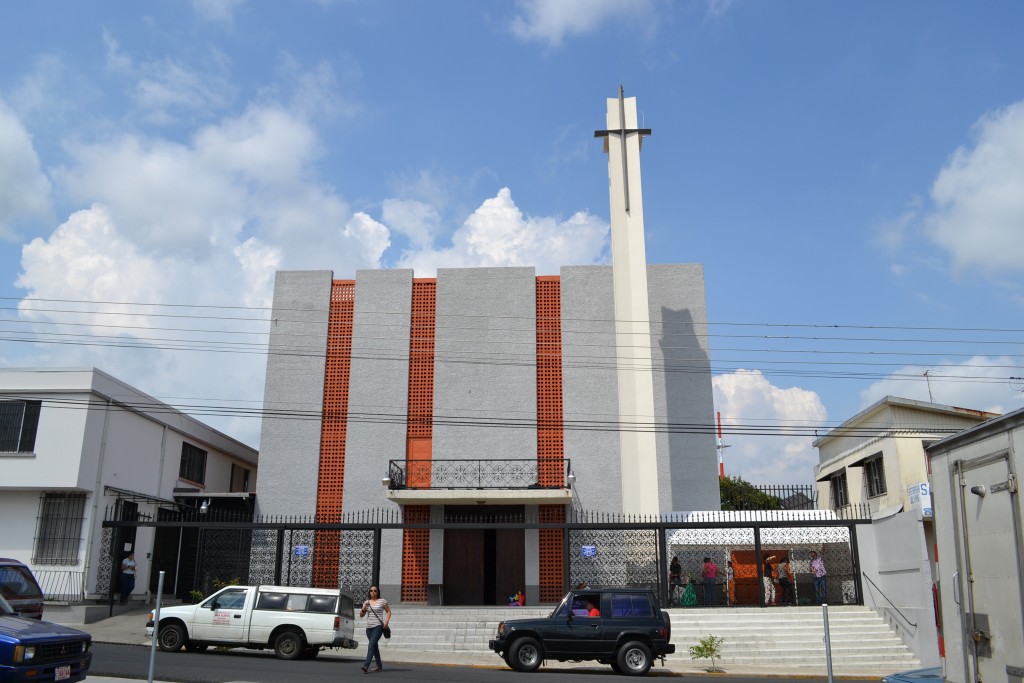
{"x":534,"y":481}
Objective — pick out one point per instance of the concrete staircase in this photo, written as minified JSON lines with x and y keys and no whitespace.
{"x":792,"y":638}
{"x":781,"y":638}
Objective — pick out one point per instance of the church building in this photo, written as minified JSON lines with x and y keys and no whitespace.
{"x":492,"y":391}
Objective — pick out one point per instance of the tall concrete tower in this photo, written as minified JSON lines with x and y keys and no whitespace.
{"x":637,"y":444}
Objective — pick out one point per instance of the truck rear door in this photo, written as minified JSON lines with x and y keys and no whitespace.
{"x":992,"y":604}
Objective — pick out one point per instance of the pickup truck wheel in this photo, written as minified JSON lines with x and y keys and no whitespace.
{"x":171,"y":638}
{"x":634,"y":658}
{"x":525,"y":655}
{"x":288,"y":645}
{"x":195,"y":647}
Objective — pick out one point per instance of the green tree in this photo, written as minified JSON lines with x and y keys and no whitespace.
{"x":737,"y":494}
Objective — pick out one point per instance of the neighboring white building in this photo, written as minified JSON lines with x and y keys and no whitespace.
{"x":877,"y":459}
{"x":877,"y":456}
{"x":75,"y":443}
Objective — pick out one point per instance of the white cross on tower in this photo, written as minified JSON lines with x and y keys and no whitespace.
{"x":637,"y":444}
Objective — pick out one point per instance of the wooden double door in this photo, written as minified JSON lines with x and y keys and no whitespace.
{"x":483,"y":566}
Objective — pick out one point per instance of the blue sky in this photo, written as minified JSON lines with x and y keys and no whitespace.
{"x":851,"y":176}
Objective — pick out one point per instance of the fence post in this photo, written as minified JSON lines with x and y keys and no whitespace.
{"x":375,"y":570}
{"x":858,"y":594}
{"x":115,"y":567}
{"x":759,"y":565}
{"x":277,"y":557}
{"x":662,"y":562}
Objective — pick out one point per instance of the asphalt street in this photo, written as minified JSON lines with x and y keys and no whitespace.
{"x":132,"y":662}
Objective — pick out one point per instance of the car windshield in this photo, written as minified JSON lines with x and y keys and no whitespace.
{"x":562,"y":606}
{"x":5,"y":608}
{"x":17,"y":583}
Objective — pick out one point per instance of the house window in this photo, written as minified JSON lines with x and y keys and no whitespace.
{"x":59,"y":533}
{"x":874,"y":472}
{"x":18,"y":423}
{"x":239,"y":479}
{"x":840,"y":494}
{"x":193,"y":464}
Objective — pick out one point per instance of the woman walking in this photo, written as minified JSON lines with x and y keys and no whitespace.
{"x":378,"y":614}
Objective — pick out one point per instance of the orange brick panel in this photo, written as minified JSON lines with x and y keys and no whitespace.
{"x":420,"y":430}
{"x":415,"y":555}
{"x":550,"y":425}
{"x":551,"y":554}
{"x":331,"y":479}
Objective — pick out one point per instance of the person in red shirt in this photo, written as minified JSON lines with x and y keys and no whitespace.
{"x":592,"y":610}
{"x":710,"y":574}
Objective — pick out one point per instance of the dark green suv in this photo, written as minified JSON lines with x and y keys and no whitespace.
{"x":623,"y":627}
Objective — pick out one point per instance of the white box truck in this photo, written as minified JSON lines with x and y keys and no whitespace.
{"x":294,"y":621}
{"x":979,"y":528}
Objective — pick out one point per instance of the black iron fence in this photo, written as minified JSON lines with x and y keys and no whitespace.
{"x":792,"y":496}
{"x":599,"y":549}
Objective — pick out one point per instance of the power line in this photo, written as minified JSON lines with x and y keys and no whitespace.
{"x":468,"y":421}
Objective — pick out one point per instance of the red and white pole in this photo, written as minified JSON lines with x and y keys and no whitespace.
{"x":721,"y":462}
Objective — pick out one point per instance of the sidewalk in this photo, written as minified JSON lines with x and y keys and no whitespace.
{"x":129,"y":628}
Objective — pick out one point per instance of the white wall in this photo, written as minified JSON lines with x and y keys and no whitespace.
{"x":897,"y":580}
{"x":18,"y":510}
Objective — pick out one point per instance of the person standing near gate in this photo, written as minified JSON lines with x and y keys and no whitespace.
{"x":127,"y":577}
{"x":820,"y":584}
{"x":786,"y":582}
{"x":710,"y":574}
{"x":769,"y":587}
{"x":378,"y":613}
{"x":675,"y":573}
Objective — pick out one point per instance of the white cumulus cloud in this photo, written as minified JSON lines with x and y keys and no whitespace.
{"x":551,"y":21}
{"x":498,"y":234}
{"x":24,"y":189}
{"x":978,"y":196}
{"x":89,"y":258}
{"x":746,"y":397}
{"x":978,"y":383}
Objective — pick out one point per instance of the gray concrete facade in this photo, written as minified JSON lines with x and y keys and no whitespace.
{"x":485,"y":373}
{"x":485,"y":368}
{"x":687,"y":461}
{"x":295,"y":383}
{"x":378,"y":399}
{"x":589,"y":385}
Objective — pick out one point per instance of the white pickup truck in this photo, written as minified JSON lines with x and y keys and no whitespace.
{"x":295,"y":622}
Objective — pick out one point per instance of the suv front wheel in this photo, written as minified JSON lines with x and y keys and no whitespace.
{"x":634,"y":658}
{"x":525,"y":655}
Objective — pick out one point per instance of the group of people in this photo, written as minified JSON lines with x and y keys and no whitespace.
{"x":709,"y":579}
{"x":780,"y":573}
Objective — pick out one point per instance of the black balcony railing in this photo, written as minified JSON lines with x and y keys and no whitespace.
{"x":534,"y":473}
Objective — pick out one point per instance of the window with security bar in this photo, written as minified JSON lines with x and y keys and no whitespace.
{"x":874,"y":473}
{"x":193,"y":464}
{"x":59,"y":531}
{"x":840,"y":493}
{"x":18,"y":423}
